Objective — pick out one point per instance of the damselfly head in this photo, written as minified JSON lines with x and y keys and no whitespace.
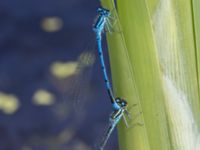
{"x":103,"y":11}
{"x":121,"y":102}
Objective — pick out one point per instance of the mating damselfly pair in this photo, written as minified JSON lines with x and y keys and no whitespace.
{"x":105,"y":22}
{"x":119,"y":105}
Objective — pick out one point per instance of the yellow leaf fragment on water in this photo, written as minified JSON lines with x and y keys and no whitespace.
{"x":63,"y":69}
{"x":43,"y":97}
{"x":9,"y":103}
{"x":26,"y":148}
{"x":66,"y":135}
{"x":81,"y":146}
{"x":87,"y":59}
{"x":51,"y":24}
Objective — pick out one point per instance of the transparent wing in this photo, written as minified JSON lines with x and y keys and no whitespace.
{"x":72,"y":80}
{"x":112,"y":124}
{"x":107,"y":136}
{"x":81,"y":84}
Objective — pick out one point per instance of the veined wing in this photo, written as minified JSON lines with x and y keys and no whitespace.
{"x":112,"y":124}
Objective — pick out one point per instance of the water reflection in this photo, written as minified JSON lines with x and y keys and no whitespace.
{"x":42,"y":72}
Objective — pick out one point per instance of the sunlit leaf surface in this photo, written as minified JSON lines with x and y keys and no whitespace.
{"x":161,"y":56}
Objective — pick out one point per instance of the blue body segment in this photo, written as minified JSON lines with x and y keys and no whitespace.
{"x":98,"y":28}
{"x":102,"y":18}
{"x":113,"y":121}
{"x":119,"y":105}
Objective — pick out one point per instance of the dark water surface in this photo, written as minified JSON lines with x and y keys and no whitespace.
{"x":35,"y":34}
